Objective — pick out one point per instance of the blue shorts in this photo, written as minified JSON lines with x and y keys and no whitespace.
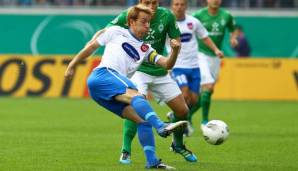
{"x":104,"y":84}
{"x":190,"y":77}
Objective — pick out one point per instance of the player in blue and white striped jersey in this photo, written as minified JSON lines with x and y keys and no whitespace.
{"x":110,"y":86}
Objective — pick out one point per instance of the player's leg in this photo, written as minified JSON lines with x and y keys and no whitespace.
{"x":130,"y":128}
{"x":129,"y":132}
{"x":205,"y":75}
{"x":146,"y":137}
{"x":180,"y":75}
{"x":205,"y":100}
{"x":142,"y":107}
{"x":208,"y":86}
{"x":115,"y":92}
{"x":166,"y":90}
{"x":193,"y":76}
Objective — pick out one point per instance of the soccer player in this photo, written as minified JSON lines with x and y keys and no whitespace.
{"x":216,"y":20}
{"x":110,"y":86}
{"x":186,"y":70}
{"x":157,"y":79}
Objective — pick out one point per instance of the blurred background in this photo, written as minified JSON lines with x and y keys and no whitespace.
{"x":245,"y":4}
{"x":48,"y":123}
{"x":42,"y":35}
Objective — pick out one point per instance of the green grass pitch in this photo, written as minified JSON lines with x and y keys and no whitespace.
{"x":77,"y":135}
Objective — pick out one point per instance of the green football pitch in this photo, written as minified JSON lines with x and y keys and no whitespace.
{"x":77,"y":135}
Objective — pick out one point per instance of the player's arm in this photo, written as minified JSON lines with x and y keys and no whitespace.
{"x":207,"y":41}
{"x":88,"y":50}
{"x":232,"y":27}
{"x":169,"y":62}
{"x":202,"y":33}
{"x":233,"y":39}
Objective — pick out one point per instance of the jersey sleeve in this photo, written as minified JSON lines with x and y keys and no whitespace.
{"x":201,"y":31}
{"x":120,"y":20}
{"x":152,"y":56}
{"x":196,"y":15}
{"x":106,"y":36}
{"x":231,"y":25}
{"x":173,"y":29}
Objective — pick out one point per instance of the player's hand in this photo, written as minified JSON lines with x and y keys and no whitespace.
{"x":175,"y":45}
{"x":234,"y":42}
{"x":219,"y":53}
{"x":69,"y":73}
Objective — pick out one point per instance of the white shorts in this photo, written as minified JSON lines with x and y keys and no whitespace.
{"x":163,"y":88}
{"x":209,"y":67}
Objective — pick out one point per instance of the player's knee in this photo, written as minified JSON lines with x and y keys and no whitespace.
{"x":208,"y":87}
{"x":186,"y":98}
{"x":182,"y":112}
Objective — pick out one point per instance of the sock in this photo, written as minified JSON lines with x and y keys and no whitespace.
{"x":178,"y":133}
{"x":129,"y":131}
{"x":205,"y":102}
{"x":146,"y":139}
{"x":193,"y":109}
{"x":144,"y":110}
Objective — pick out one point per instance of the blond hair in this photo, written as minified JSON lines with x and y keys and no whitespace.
{"x":134,"y":11}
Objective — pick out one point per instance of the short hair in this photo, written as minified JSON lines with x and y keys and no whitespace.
{"x":186,"y":2}
{"x":134,"y":11}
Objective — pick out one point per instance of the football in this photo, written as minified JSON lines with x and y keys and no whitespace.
{"x":215,"y":132}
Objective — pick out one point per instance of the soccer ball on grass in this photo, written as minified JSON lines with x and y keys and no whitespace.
{"x":215,"y":132}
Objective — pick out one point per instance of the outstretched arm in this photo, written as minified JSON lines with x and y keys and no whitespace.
{"x":88,"y":50}
{"x":212,"y":46}
{"x":233,"y":39}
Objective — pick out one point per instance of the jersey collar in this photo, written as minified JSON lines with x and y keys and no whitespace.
{"x":131,"y":33}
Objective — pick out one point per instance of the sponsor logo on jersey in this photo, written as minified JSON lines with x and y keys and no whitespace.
{"x":144,"y":47}
{"x":215,"y":26}
{"x":185,"y":37}
{"x":131,"y":51}
{"x":150,"y":34}
{"x":190,"y":26}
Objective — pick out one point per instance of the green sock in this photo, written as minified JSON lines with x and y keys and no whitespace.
{"x":193,"y":110}
{"x":129,"y":132}
{"x":178,"y":133}
{"x":205,"y":102}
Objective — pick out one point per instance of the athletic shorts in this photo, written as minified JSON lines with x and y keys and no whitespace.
{"x":209,"y":67}
{"x":104,"y":84}
{"x":190,"y":77}
{"x":164,"y":88}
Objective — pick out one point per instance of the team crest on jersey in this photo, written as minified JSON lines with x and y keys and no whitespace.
{"x":131,"y":51}
{"x":144,"y":47}
{"x":160,"y":27}
{"x":190,"y":26}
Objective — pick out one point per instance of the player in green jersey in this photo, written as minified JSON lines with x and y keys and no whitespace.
{"x":216,"y":20}
{"x":155,"y":78}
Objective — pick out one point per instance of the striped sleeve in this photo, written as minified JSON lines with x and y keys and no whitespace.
{"x":153,"y":57}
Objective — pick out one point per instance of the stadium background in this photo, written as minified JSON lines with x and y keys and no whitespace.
{"x":256,"y":96}
{"x":42,"y":36}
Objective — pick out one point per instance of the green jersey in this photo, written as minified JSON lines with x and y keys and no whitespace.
{"x":162,"y":24}
{"x":216,"y":26}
